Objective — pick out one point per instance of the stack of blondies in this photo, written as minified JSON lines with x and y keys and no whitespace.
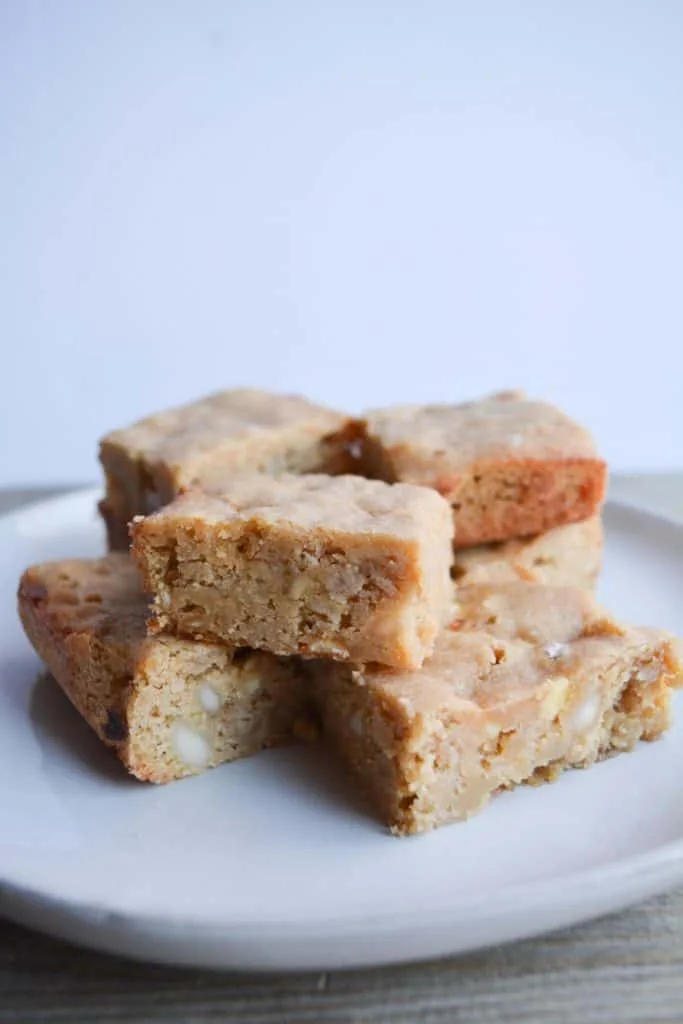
{"x":414,"y":586}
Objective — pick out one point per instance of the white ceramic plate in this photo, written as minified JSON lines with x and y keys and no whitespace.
{"x":272,"y":862}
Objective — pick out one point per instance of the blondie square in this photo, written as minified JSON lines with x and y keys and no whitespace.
{"x":509,"y":466}
{"x":167,"y":707}
{"x":568,"y":555}
{"x":209,"y":441}
{"x":527,"y":681}
{"x":337,"y":567}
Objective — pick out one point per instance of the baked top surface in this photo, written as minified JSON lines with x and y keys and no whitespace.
{"x":348,"y":504}
{"x":505,"y":640}
{"x":569,"y":547}
{"x":503,"y":426}
{"x":235,"y":415}
{"x":102,"y":596}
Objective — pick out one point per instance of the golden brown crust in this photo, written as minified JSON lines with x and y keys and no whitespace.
{"x":509,"y":466}
{"x":522,"y":498}
{"x":87,"y":626}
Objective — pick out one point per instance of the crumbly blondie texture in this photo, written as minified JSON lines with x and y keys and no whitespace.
{"x":568,"y":555}
{"x":509,"y":466}
{"x":207,"y":442}
{"x":337,"y":567}
{"x":167,"y":707}
{"x":526,"y":681}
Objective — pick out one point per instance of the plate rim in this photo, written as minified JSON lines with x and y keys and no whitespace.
{"x":666,"y":855}
{"x":619,"y":881}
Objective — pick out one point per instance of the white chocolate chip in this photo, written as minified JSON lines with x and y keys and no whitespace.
{"x":555,"y":651}
{"x":556,"y":696}
{"x":191,"y":747}
{"x":586,"y":714}
{"x":516,"y":440}
{"x":209,"y":699}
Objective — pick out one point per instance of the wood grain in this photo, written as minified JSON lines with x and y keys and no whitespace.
{"x":626,"y":967}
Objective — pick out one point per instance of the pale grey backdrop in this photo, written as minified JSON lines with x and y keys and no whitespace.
{"x":366,"y":201}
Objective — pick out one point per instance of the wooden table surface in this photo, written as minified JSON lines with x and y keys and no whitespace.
{"x":626,"y":967}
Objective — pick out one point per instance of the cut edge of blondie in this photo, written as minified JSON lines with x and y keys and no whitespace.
{"x":218,"y":570}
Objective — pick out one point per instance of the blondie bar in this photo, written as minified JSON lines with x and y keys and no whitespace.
{"x":509,"y":466}
{"x":526,"y":681}
{"x":568,"y":555}
{"x":338,"y":567}
{"x":208,"y":441}
{"x":167,"y":707}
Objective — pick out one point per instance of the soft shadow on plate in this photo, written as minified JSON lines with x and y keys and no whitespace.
{"x":60,"y":730}
{"x":312,"y":770}
{"x":16,"y":677}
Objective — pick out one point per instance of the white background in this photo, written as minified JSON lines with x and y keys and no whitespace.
{"x":367,"y":202}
